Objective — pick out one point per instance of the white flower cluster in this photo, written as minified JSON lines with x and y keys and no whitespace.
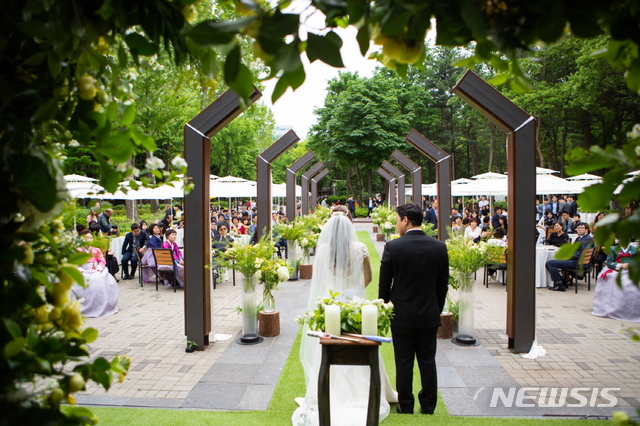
{"x":634,"y":133}
{"x":257,"y":275}
{"x":388,"y":225}
{"x":258,"y":262}
{"x":179,"y":162}
{"x":283,"y":273}
{"x":154,"y":163}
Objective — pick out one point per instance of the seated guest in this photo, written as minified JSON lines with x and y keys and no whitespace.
{"x":566,"y":222}
{"x":504,"y":223}
{"x":498,"y":240}
{"x":100,"y":295}
{"x":495,"y":219}
{"x":112,"y":263}
{"x":554,"y":265}
{"x":235,"y":225}
{"x":133,"y":248}
{"x":214,"y":229}
{"x":154,"y":242}
{"x":558,"y":237}
{"x":178,"y":259}
{"x":610,"y":300}
{"x":243,"y":228}
{"x":458,"y":225}
{"x":548,"y":220}
{"x":574,"y":222}
{"x":222,"y":241}
{"x":167,"y":221}
{"x":473,"y":231}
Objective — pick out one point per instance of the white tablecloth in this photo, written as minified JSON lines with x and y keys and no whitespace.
{"x":180,"y":237}
{"x":543,"y":253}
{"x":116,"y":247}
{"x":243,"y":239}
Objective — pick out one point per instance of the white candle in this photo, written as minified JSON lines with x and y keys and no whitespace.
{"x":369,"y":320}
{"x":332,"y":319}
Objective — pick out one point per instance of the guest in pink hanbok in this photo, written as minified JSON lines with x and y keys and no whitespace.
{"x":178,"y":259}
{"x":99,"y":297}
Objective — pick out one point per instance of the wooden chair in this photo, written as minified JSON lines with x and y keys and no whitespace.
{"x":500,"y":265}
{"x":583,"y":268}
{"x":165,"y":265}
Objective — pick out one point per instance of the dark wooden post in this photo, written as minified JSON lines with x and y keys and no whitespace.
{"x":263,"y":181}
{"x":416,"y":175}
{"x":197,"y":135}
{"x":443,"y":178}
{"x":314,"y":187}
{"x":292,"y":170}
{"x":391,"y":184}
{"x":521,"y":137}
{"x":399,"y":176}
{"x":304,"y":182}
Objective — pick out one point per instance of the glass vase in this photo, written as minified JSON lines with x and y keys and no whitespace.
{"x":466,"y":331}
{"x":292,"y":260}
{"x":249,"y":310}
{"x":268,"y":301}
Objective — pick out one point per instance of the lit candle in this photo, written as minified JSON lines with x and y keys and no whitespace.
{"x":332,"y":319}
{"x":369,"y":320}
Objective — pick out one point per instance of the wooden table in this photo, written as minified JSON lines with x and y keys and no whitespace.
{"x":343,"y":352}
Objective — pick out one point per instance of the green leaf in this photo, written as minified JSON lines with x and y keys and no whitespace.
{"x":499,"y":79}
{"x":209,"y":64}
{"x":31,"y":175}
{"x":14,"y":347}
{"x":139,"y":44}
{"x":89,"y":334}
{"x":232,"y":64}
{"x":363,"y":38}
{"x":32,"y":337}
{"x":104,"y":378}
{"x":473,"y":17}
{"x":118,"y":147}
{"x":288,"y":79}
{"x":596,"y":197}
{"x":243,"y":84}
{"x":128,"y":115}
{"x":216,"y":33}
{"x":100,"y":365}
{"x":123,"y":58}
{"x":44,"y":364}
{"x":46,"y":111}
{"x":633,"y":76}
{"x":520,"y":84}
{"x":12,"y":327}
{"x":78,"y":258}
{"x":326,"y":48}
{"x":74,"y":274}
{"x":567,"y":250}
{"x":54,"y":63}
{"x":395,"y":20}
{"x":466,"y":62}
{"x":143,"y":139}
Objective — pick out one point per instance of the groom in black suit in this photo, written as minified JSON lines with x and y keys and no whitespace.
{"x":414,"y":275}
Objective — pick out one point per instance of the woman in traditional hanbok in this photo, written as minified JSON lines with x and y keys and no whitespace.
{"x":99,"y":297}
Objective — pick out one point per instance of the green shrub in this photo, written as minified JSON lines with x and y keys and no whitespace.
{"x":362,"y":211}
{"x":333,"y":198}
{"x":501,"y":204}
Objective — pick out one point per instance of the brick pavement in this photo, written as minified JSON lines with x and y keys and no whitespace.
{"x":582,"y":350}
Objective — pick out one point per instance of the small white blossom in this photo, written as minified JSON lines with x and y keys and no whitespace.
{"x":283,"y":273}
{"x":638,"y":150}
{"x":178,"y":162}
{"x":154,"y":163}
{"x":258,"y":274}
{"x":121,"y":167}
{"x":73,"y":142}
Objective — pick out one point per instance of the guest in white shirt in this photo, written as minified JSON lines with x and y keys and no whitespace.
{"x":473,"y":231}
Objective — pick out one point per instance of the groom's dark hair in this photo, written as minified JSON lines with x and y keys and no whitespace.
{"x":412,"y":211}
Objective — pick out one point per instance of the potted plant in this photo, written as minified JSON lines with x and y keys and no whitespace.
{"x":248,"y":260}
{"x":191,"y":346}
{"x":292,"y":232}
{"x":384,"y":218}
{"x":273,"y":272}
{"x":306,"y":243}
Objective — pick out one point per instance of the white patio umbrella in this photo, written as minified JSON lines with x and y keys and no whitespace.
{"x":84,"y":189}
{"x":489,"y":175}
{"x":585,"y":176}
{"x":79,"y":178}
{"x":543,"y":171}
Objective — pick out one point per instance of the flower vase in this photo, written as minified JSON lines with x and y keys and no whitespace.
{"x":466,"y":332}
{"x":249,"y":312}
{"x":268,"y":301}
{"x":292,"y":260}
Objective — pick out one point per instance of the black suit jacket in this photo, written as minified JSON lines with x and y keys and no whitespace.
{"x":414,"y":275}
{"x":127,"y":245}
{"x":432,"y":218}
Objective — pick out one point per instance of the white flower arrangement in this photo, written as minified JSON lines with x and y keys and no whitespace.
{"x":154,"y":163}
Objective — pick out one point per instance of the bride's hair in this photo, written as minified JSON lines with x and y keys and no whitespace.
{"x":337,"y":210}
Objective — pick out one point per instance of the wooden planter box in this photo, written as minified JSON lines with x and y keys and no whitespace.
{"x":305,"y":272}
{"x":269,"y":323}
{"x":375,"y":229}
{"x":445,"y":331}
{"x":379,"y":237}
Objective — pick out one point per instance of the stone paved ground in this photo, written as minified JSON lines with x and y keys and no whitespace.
{"x":582,"y":350}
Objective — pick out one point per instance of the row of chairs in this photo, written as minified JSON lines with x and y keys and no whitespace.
{"x":164,"y":270}
{"x":582,"y":271}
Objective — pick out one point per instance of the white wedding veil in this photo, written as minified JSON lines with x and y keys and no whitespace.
{"x":337,"y":267}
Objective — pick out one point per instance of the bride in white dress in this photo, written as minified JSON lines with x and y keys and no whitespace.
{"x":341,"y":265}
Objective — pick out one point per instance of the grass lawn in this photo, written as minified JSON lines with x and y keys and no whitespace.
{"x":291,"y":385}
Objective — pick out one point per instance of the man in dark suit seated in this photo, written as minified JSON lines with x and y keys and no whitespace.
{"x":554,"y":265}
{"x":414,"y":275}
{"x":133,"y":248}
